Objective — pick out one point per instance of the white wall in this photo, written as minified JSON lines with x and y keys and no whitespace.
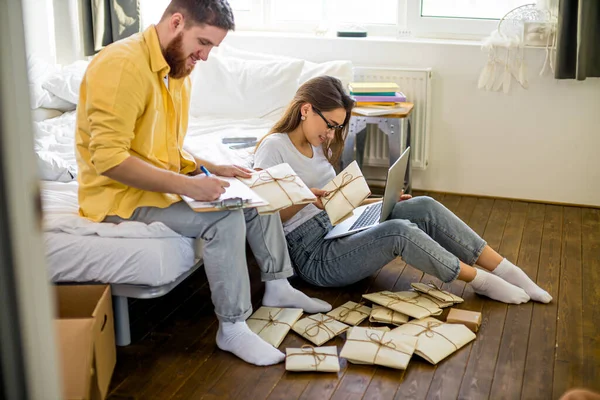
{"x":39,"y":29}
{"x":540,"y":144}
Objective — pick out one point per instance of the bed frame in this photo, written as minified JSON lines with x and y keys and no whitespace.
{"x":121,"y":292}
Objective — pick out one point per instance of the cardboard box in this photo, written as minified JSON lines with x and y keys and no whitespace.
{"x":471,"y":319}
{"x":86,"y":336}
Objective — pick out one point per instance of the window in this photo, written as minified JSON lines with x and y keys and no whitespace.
{"x":152,"y":10}
{"x":457,"y":18}
{"x":475,"y":9}
{"x":378,"y":17}
{"x":427,"y":18}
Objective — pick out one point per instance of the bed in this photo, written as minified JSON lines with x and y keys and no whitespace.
{"x":139,"y":260}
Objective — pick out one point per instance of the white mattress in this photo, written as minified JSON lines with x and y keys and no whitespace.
{"x":78,"y":250}
{"x":153,"y":262}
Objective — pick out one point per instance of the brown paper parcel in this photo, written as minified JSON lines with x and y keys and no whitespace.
{"x":434,"y":291}
{"x":437,"y":340}
{"x":346,"y":192}
{"x":309,"y":358}
{"x":408,"y":303}
{"x":319,"y":328}
{"x":280,"y":186}
{"x":439,"y":303}
{"x":351,"y":313}
{"x":272,"y":323}
{"x":384,"y":315}
{"x":368,"y":346}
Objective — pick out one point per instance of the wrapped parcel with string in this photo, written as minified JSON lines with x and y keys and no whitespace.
{"x":346,"y":192}
{"x":384,"y":315}
{"x":312,"y":359}
{"x":370,"y":346}
{"x":431,"y":289}
{"x":319,"y":328}
{"x":407,"y":303}
{"x":272,"y":324}
{"x":280,"y":186}
{"x":437,"y":340}
{"x":351,"y":313}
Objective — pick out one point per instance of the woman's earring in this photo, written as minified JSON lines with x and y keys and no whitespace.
{"x":303,"y":117}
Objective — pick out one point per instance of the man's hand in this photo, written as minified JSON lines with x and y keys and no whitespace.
{"x":204,"y":188}
{"x":319,"y":193}
{"x":231,"y":171}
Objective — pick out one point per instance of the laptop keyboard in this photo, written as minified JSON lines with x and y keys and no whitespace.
{"x":369,"y":217}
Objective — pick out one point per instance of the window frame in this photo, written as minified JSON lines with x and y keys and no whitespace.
{"x":409,"y":23}
{"x":446,"y":27}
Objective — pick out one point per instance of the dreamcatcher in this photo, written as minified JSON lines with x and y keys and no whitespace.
{"x":527,"y":25}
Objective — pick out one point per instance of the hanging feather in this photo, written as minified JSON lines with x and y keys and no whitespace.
{"x":507,"y":74}
{"x":523,"y":75}
{"x":484,"y":76}
{"x":507,"y":79}
{"x":492,"y":77}
{"x":498,"y":84}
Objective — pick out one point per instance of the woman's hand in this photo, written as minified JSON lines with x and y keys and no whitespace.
{"x":319,"y":193}
{"x":231,"y":171}
{"x":404,"y":197}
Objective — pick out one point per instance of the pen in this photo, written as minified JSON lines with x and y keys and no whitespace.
{"x":203,"y":169}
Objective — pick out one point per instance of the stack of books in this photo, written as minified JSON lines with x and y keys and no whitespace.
{"x":386,"y":94}
{"x":377,"y":98}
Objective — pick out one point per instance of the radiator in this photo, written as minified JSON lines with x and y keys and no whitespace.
{"x":416,"y":85}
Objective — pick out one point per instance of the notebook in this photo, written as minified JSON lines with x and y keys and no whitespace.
{"x":375,"y":111}
{"x":371,"y":87}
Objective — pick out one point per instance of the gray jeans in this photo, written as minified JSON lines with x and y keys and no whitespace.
{"x":225,"y":235}
{"x":422,"y":231}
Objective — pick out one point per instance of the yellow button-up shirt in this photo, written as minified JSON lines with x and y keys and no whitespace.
{"x":125,"y":109}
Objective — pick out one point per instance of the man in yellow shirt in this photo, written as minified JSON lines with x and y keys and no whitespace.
{"x":131,"y":124}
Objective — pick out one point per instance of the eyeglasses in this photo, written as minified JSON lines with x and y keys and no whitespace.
{"x":329,"y":125}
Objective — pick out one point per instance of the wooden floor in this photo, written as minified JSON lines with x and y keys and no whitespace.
{"x":530,"y":351}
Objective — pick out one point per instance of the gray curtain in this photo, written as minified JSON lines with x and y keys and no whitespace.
{"x":106,"y":21}
{"x":578,"y":39}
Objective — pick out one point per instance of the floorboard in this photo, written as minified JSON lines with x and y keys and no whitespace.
{"x":530,"y":351}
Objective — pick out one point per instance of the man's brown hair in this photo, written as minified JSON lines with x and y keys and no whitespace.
{"x":216,"y":13}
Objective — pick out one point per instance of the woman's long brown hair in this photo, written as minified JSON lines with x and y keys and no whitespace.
{"x":325,"y":93}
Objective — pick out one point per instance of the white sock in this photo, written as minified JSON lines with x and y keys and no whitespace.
{"x":237,"y":338}
{"x":279,"y":293}
{"x":515,"y":275}
{"x":498,"y":289}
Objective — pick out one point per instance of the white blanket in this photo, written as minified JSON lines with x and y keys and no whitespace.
{"x":55,"y":142}
{"x":61,"y":214}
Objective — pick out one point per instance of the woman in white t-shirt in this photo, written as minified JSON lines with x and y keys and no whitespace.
{"x":310,"y":138}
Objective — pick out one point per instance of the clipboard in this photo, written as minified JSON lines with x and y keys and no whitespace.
{"x":236,"y":196}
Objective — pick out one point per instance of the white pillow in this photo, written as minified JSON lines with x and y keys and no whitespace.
{"x":66,"y":82}
{"x":38,"y":70}
{"x":237,"y":88}
{"x":341,"y":69}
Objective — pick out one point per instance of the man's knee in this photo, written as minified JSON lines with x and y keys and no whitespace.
{"x":230,"y":224}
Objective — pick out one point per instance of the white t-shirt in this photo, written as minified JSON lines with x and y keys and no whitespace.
{"x":315,"y":172}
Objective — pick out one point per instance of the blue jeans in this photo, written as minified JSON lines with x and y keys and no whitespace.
{"x":422,"y":231}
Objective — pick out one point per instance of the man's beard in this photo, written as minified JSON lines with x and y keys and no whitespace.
{"x":176,"y":59}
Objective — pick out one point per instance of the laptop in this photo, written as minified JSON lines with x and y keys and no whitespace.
{"x":370,"y":215}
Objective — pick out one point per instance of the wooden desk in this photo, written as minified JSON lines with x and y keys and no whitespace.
{"x":396,"y":126}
